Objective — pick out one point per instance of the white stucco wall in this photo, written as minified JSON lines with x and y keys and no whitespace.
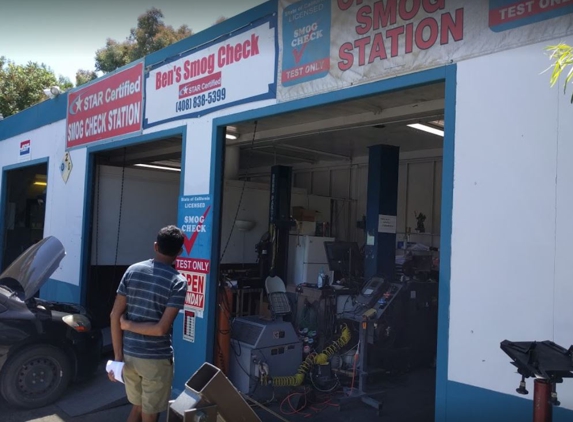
{"x":64,"y":201}
{"x":511,"y":273}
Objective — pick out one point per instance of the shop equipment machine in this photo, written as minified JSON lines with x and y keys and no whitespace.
{"x":260,"y":346}
{"x":376,"y":298}
{"x":549,"y":364}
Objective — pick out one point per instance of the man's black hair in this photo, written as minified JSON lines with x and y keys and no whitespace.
{"x":169,"y":241}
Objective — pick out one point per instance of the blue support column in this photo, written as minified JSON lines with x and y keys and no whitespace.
{"x":381,"y":211}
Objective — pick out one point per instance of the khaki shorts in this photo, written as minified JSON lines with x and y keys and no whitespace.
{"x":148,"y":383}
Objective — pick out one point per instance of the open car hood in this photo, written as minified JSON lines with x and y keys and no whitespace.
{"x":34,"y":267}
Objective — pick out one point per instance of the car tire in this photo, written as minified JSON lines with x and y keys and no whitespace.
{"x":35,"y":376}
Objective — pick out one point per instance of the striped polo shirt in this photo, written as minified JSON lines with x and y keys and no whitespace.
{"x":149,"y":288}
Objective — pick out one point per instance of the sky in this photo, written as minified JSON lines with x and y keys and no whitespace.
{"x":65,"y":34}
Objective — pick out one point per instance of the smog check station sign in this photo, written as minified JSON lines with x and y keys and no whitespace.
{"x":239,"y":69}
{"x":108,"y":108}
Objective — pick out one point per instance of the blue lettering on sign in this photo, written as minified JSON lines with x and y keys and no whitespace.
{"x":510,"y":14}
{"x":306,"y":41}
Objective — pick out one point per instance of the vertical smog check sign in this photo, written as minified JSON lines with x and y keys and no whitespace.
{"x":306,"y":41}
{"x":194,"y":263}
{"x":239,"y":69}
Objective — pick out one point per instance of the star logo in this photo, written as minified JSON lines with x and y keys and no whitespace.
{"x":76,"y":106}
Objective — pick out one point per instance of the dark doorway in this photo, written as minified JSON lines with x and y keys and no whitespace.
{"x":24,"y":210}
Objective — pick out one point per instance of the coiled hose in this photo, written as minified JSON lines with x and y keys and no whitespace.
{"x":314,"y":359}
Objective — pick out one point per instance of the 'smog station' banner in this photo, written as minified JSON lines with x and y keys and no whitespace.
{"x":326,"y":45}
{"x":239,"y":69}
{"x":110,"y":107}
{"x":195,"y":219}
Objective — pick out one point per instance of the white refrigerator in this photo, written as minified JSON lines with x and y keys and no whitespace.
{"x":306,"y":258}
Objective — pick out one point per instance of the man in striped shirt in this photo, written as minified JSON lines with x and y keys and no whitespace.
{"x":149,"y":297}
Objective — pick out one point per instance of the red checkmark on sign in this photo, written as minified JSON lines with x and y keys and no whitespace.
{"x":299,"y":53}
{"x":188,"y":242}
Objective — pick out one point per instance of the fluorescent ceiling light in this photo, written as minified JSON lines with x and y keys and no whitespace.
{"x":230,"y":136}
{"x":428,"y":129}
{"x":150,"y":166}
{"x":40,"y":184}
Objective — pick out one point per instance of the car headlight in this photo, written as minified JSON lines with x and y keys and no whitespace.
{"x":80,"y":323}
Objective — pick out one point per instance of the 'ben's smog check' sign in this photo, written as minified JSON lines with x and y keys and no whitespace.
{"x":241,"y":68}
{"x":108,"y":108}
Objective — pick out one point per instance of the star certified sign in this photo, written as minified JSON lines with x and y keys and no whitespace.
{"x":66,"y":167}
{"x":109,"y":107}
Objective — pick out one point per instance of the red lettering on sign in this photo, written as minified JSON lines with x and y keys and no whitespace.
{"x":195,"y":300}
{"x":379,"y":38}
{"x":196,"y":283}
{"x":229,"y":54}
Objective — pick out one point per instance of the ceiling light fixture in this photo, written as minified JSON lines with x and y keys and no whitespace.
{"x":230,"y":136}
{"x":427,"y":128}
{"x":40,"y":183}
{"x":150,"y":166}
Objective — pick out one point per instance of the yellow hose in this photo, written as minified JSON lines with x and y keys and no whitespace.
{"x":314,"y":359}
{"x":295,"y":380}
{"x":327,"y":353}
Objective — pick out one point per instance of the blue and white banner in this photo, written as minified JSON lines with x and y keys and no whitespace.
{"x":196,"y":221}
{"x":306,"y":41}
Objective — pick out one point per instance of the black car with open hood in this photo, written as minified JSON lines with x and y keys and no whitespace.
{"x":44,"y":345}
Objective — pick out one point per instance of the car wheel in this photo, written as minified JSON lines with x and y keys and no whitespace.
{"x":35,"y":377}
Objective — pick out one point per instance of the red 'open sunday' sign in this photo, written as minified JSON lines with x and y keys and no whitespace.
{"x":108,"y":108}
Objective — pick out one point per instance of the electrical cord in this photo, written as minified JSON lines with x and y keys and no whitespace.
{"x":242,"y":193}
{"x":111,"y":296}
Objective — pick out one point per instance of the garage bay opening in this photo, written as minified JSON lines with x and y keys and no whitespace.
{"x":330,"y":249}
{"x":135,"y":192}
{"x":24,"y":210}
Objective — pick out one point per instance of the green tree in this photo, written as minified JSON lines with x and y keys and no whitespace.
{"x":21,"y":86}
{"x":85,"y":76}
{"x":64,"y":83}
{"x":151,"y":34}
{"x":562,"y":56}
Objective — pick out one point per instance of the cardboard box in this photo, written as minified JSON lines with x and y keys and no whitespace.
{"x":304,"y":228}
{"x":303,"y":214}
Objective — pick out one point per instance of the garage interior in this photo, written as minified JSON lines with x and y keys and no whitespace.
{"x":322,"y":157}
{"x":24,"y":210}
{"x":135,"y":192}
{"x":299,"y":359}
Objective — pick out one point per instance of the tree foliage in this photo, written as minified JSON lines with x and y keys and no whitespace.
{"x":562,"y":55}
{"x":85,"y":76}
{"x":21,"y":86}
{"x":150,"y":35}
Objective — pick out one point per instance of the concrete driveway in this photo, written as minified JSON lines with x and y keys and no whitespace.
{"x":97,"y":399}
